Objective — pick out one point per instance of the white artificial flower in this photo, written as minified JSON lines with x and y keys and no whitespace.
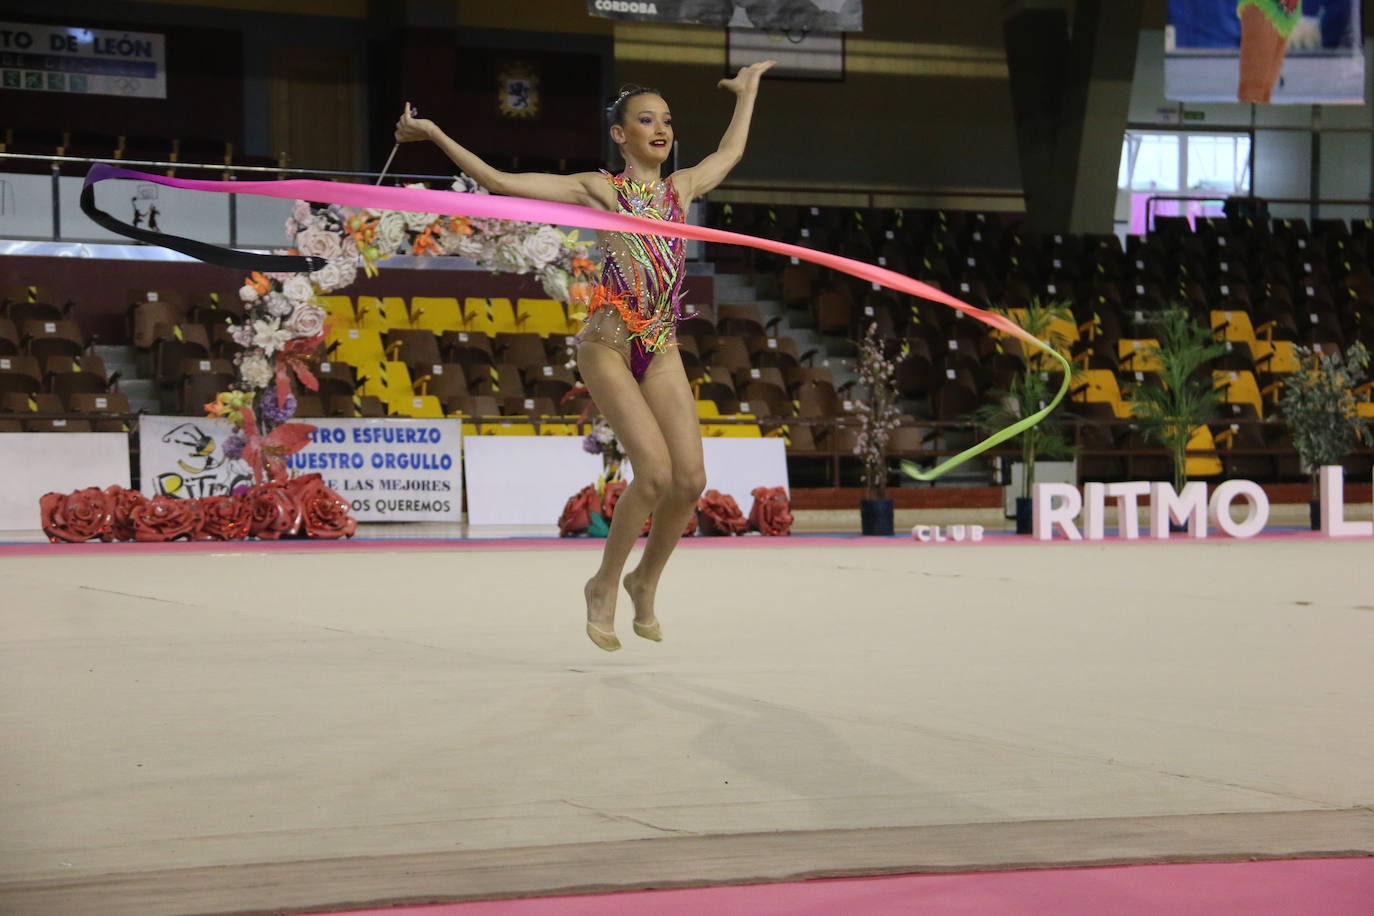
{"x":347,"y":266}
{"x":419,"y":222}
{"x":277,"y":304}
{"x":248,"y":293}
{"x":391,"y":232}
{"x":298,"y":289}
{"x":327,"y":277}
{"x":318,"y":242}
{"x":306,"y":321}
{"x":555,"y":283}
{"x":270,"y":335}
{"x":255,"y":370}
{"x":543,"y":246}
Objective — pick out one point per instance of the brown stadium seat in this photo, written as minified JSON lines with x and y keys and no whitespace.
{"x":441,"y":380}
{"x":551,"y":382}
{"x":9,"y":338}
{"x":740,"y":320}
{"x":20,"y":374}
{"x":94,"y":405}
{"x":414,"y":347}
{"x":522,"y":350}
{"x":200,"y":388}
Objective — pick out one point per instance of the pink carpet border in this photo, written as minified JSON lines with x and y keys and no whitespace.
{"x":44,"y":548}
{"x":1274,"y":887}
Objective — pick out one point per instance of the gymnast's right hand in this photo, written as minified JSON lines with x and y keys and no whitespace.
{"x":410,"y":127}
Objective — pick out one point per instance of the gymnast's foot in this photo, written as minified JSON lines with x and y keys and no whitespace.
{"x":642,"y":594}
{"x":601,"y":615}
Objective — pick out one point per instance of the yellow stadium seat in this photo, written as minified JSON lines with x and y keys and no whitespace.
{"x":357,"y":347}
{"x":1275,"y":356}
{"x":490,"y":316}
{"x":1132,"y":357}
{"x":388,"y":380}
{"x":707,"y":409}
{"x":506,"y":428}
{"x":1364,"y":408}
{"x":731,"y":430}
{"x":1239,"y":388}
{"x":339,"y":312}
{"x":420,"y":406}
{"x":1202,"y":465}
{"x":1100,"y":386}
{"x":1232,"y":325}
{"x":437,"y":314}
{"x":544,"y":317}
{"x":558,"y":429}
{"x":381,"y":315}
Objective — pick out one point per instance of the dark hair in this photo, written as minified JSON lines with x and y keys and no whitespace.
{"x":616,"y":110}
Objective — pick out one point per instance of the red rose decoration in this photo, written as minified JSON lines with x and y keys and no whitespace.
{"x":719,"y":514}
{"x":614,"y":490}
{"x":121,"y":528}
{"x":272,"y":512}
{"x":223,"y":518}
{"x":324,"y":513}
{"x":771,"y":512}
{"x":76,"y":517}
{"x":164,"y":518}
{"x":577,"y":514}
{"x":613,"y":493}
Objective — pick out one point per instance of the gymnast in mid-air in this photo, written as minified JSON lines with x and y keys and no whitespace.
{"x":626,"y":352}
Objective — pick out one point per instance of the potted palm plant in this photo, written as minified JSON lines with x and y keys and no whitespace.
{"x":1318,"y":406}
{"x":878,"y":415}
{"x":1028,"y":393}
{"x":1171,"y":411}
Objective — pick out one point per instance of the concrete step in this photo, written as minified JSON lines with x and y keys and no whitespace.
{"x":144,"y":389}
{"x":111,"y":353}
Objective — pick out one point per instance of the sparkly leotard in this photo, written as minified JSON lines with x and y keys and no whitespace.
{"x":637,"y":304}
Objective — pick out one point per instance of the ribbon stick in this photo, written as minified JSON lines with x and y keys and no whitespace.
{"x":493,"y":206}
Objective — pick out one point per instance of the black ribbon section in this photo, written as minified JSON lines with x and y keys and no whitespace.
{"x":201,"y":251}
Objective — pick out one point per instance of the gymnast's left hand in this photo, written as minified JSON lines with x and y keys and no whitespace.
{"x":747,"y":80}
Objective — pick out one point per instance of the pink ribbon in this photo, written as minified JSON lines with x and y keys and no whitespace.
{"x":492,"y":206}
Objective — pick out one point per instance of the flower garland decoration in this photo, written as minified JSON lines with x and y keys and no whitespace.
{"x":877,"y":412}
{"x":284,"y":324}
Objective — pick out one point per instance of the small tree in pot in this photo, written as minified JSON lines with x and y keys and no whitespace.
{"x":1030,"y":392}
{"x":1318,"y":406}
{"x":877,"y":412}
{"x":1184,"y":400}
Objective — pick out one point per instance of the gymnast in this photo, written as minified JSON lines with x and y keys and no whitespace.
{"x":626,"y":352}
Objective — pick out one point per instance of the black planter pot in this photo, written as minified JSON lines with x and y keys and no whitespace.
{"x":1023,"y":514}
{"x":875,"y":515}
{"x":1314,"y":509}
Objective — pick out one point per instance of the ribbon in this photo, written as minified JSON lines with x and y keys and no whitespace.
{"x":493,"y":206}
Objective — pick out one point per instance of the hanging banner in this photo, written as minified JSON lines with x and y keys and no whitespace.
{"x":1300,"y":52}
{"x":49,"y":58}
{"x":790,"y":15}
{"x":389,"y":469}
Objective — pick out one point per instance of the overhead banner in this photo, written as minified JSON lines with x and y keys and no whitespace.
{"x":1264,"y":51}
{"x":798,"y":16}
{"x":389,"y":469}
{"x":48,"y":58}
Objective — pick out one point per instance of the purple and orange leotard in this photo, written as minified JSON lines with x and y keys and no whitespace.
{"x":636,"y":306}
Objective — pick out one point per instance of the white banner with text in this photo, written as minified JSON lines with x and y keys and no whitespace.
{"x":389,"y":469}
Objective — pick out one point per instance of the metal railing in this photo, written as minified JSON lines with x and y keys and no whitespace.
{"x":1314,"y":203}
{"x":229,"y":172}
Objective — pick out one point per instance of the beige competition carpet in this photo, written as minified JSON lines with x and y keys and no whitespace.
{"x":254,"y":731}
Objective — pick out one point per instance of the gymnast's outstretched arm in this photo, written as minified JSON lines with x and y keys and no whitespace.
{"x":700,"y":179}
{"x":587,"y":189}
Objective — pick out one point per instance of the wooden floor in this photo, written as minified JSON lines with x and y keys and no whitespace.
{"x":253,"y":732}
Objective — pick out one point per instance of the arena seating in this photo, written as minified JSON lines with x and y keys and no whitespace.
{"x":506,"y":367}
